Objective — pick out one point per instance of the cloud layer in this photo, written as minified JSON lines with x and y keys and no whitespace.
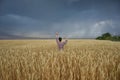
{"x":71,"y":18}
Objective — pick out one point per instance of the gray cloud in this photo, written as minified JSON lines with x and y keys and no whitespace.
{"x":71,"y":28}
{"x":72,"y":18}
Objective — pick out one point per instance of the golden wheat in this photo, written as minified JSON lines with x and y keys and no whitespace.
{"x":41,"y":60}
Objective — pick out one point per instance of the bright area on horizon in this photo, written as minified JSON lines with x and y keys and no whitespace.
{"x":71,"y":18}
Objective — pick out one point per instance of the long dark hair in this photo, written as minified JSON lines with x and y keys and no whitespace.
{"x":60,"y":39}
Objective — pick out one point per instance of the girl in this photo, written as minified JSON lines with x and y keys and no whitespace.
{"x":59,"y":42}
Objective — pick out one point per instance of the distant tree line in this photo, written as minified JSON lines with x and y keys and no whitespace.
{"x":108,"y":36}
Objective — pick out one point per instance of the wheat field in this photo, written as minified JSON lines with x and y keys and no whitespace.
{"x":41,"y":60}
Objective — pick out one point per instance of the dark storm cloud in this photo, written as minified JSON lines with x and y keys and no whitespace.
{"x":23,"y":23}
{"x":74,"y":18}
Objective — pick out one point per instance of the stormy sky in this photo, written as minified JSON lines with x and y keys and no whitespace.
{"x":71,"y":18}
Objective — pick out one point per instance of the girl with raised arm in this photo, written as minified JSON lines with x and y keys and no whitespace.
{"x":59,"y":42}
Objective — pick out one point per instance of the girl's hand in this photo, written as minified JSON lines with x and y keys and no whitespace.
{"x":57,"y":33}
